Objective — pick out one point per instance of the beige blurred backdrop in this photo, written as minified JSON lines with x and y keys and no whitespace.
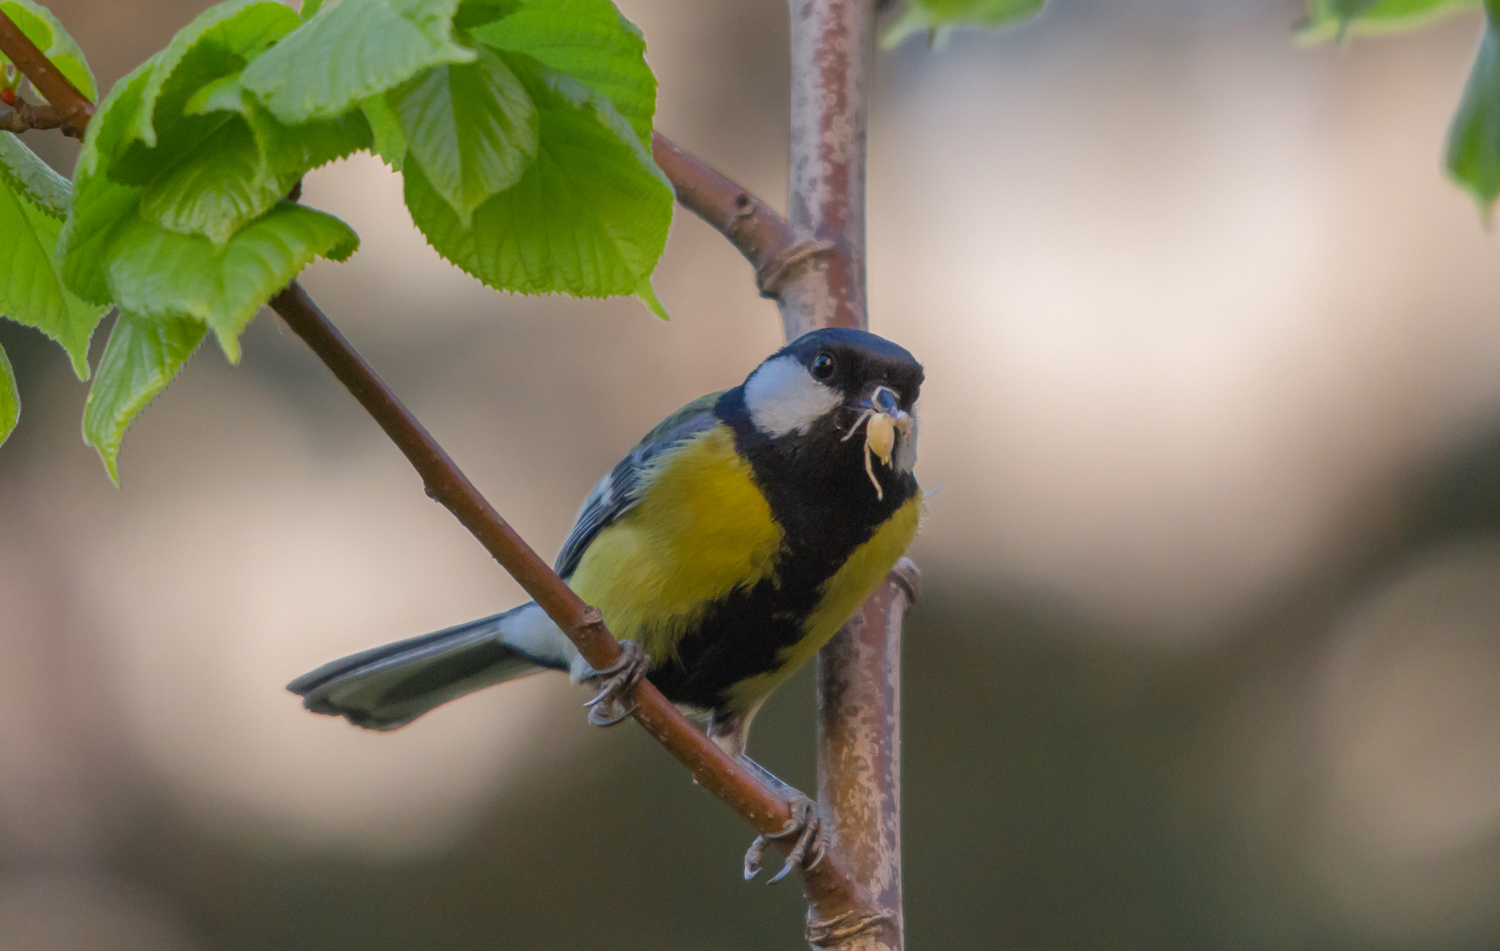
{"x":1209,"y":650}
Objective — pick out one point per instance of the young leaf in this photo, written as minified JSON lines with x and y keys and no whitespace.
{"x":287,"y":152}
{"x":99,"y":202}
{"x":202,"y":169}
{"x":46,"y":31}
{"x":10,"y":398}
{"x":386,"y":138}
{"x":33,"y":199}
{"x":1334,"y":19}
{"x":140,"y":358}
{"x":589,"y":40}
{"x":470,"y":126}
{"x":161,"y":275}
{"x":219,"y":42}
{"x":214,"y":187}
{"x":350,"y":52}
{"x":588,"y":218}
{"x":928,"y":16}
{"x":1473,"y":158}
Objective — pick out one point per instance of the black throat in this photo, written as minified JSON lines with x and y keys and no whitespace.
{"x":817,"y":485}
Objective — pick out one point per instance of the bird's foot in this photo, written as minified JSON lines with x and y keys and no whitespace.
{"x":812,"y":842}
{"x":614,"y":681}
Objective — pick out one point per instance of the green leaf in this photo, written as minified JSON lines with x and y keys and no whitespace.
{"x":646,"y":293}
{"x":160,"y":274}
{"x":588,"y":218}
{"x":99,"y":202}
{"x":32,"y":200}
{"x":939,"y":16}
{"x":352,"y":51}
{"x":1473,"y":158}
{"x":10,"y":398}
{"x":46,"y":31}
{"x":202,"y":169}
{"x":387,"y":139}
{"x":219,"y":42}
{"x":140,"y":359}
{"x":471,"y":127}
{"x":472,"y":13}
{"x":215,"y":187}
{"x":1334,"y":19}
{"x":33,"y":179}
{"x":310,"y":8}
{"x":589,"y":40}
{"x":287,"y":151}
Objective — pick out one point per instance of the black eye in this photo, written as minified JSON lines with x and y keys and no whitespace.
{"x":823,"y":366}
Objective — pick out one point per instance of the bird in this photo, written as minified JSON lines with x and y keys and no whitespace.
{"x":726,"y":547}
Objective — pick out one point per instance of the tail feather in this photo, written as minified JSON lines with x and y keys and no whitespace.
{"x":387,"y":687}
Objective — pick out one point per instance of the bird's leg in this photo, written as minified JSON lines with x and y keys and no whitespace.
{"x":729,"y":733}
{"x":805,"y":824}
{"x":614,"y":681}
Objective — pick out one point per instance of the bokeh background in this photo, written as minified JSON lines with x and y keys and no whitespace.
{"x":1208,"y":655}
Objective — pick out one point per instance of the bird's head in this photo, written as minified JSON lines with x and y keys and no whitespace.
{"x":845,"y":386}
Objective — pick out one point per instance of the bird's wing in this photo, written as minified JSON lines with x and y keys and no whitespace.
{"x":616,"y":493}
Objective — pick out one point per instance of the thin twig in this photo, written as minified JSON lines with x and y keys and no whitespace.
{"x":24,"y":117}
{"x":74,"y":106}
{"x":768,"y":241}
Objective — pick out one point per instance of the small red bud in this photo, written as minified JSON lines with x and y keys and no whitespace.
{"x":8,"y":96}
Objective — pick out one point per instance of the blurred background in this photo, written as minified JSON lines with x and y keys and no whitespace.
{"x":1208,"y":655}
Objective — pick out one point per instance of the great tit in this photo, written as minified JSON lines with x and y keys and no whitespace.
{"x":730,"y":544}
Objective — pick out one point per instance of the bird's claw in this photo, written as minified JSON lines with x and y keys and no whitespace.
{"x":614,"y":681}
{"x":811,"y":845}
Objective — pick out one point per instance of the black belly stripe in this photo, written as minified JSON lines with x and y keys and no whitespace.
{"x":818,"y":491}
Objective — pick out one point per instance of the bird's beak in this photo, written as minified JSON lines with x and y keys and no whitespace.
{"x":886,"y":419}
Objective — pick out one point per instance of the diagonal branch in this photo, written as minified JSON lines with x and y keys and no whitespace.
{"x":72,"y":105}
{"x":829,"y":888}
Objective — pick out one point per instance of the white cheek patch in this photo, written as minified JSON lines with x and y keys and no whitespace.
{"x":782,"y":397}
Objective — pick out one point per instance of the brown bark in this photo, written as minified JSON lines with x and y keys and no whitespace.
{"x":74,"y":107}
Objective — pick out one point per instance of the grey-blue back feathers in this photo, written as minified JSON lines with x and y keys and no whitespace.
{"x":618,"y":492}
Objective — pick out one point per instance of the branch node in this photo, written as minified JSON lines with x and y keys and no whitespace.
{"x":769,"y":277}
{"x":24,"y":117}
{"x":828,"y":932}
{"x":591,"y":619}
{"x":909,"y":577}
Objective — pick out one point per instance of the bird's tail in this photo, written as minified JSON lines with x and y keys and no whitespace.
{"x":387,"y":687}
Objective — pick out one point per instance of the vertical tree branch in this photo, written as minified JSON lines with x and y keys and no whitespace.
{"x":833,"y":43}
{"x":859,"y":673}
{"x":859,"y":751}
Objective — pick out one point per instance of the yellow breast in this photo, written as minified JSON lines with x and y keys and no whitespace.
{"x":702,"y":527}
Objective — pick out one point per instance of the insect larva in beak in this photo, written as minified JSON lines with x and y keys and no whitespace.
{"x":880,"y":436}
{"x":880,"y":439}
